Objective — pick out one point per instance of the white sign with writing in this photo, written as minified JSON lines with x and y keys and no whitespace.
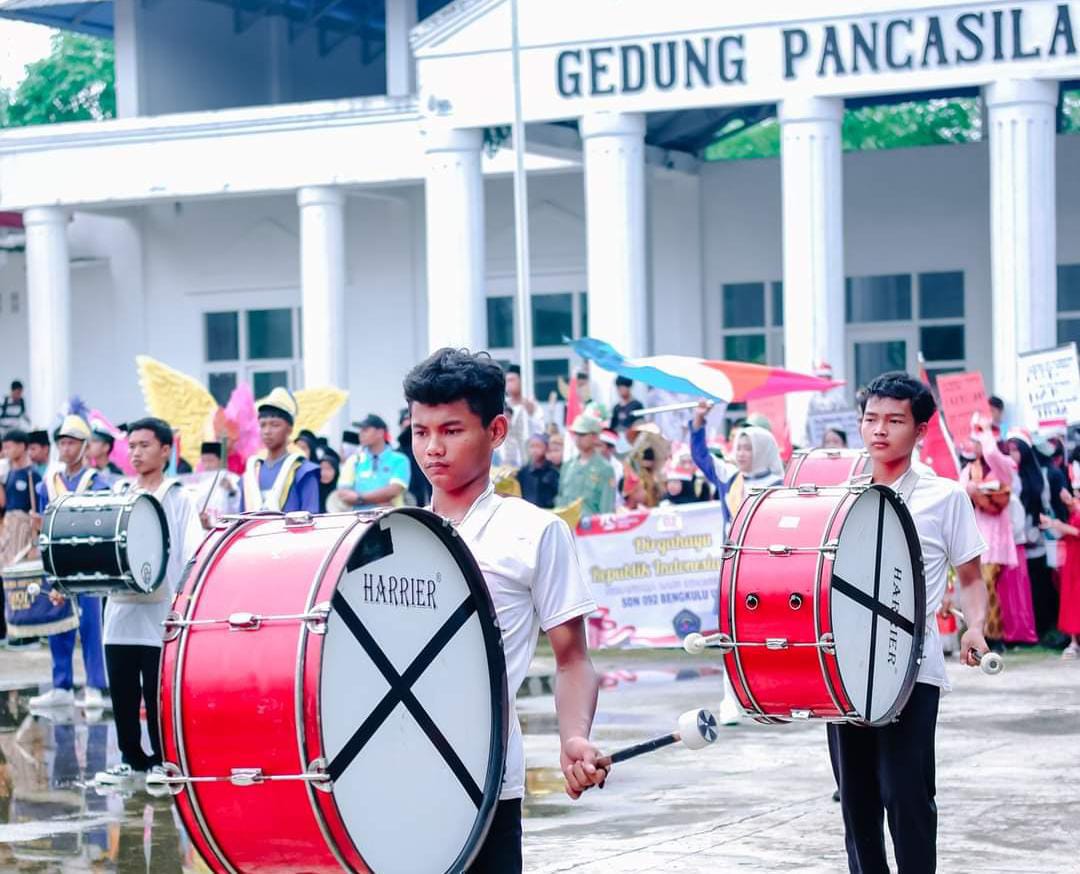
{"x":1049,"y":384}
{"x":847,"y":420}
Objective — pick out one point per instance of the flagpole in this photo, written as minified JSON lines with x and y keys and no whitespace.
{"x":523,"y":300}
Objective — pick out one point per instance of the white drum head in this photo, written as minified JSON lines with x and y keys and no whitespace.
{"x":877,"y":600}
{"x":412,"y":701}
{"x":147,"y":543}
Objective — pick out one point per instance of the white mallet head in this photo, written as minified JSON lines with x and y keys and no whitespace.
{"x":33,"y":590}
{"x":697,"y":729}
{"x":694,"y":643}
{"x":991,"y":663}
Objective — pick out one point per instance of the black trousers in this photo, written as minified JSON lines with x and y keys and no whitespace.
{"x":133,"y":679}
{"x":501,"y":851}
{"x":1044,"y":597}
{"x":889,"y":770}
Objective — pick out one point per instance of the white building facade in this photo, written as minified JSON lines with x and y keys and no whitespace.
{"x":293,"y":199}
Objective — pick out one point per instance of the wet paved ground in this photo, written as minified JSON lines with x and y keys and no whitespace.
{"x":759,"y":800}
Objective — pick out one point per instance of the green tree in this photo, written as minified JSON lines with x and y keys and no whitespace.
{"x":76,"y":82}
{"x":918,"y":123}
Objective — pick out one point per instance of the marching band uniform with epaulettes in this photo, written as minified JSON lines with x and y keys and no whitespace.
{"x":291,"y":482}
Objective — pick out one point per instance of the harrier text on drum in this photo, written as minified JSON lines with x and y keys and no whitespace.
{"x":822,"y":602}
{"x":327,"y":683}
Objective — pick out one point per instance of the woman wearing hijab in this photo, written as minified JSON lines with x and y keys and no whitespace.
{"x":1035,"y":501}
{"x":329,"y":471}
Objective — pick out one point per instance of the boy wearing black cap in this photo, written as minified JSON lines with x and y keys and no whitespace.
{"x":13,"y":409}
{"x":277,"y":479}
{"x":98,"y":450}
{"x":622,"y":414}
{"x":377,"y":476}
{"x":225,"y":497}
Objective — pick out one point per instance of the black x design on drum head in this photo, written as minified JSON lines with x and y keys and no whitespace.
{"x":706,"y":724}
{"x":400,"y":692}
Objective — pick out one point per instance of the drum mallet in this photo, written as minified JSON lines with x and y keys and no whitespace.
{"x":697,"y":729}
{"x":989,"y":663}
{"x":695,"y":643}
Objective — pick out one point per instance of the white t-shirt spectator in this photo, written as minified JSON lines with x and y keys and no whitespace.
{"x":949,"y":536}
{"x":139,"y":624}
{"x":530,"y":564}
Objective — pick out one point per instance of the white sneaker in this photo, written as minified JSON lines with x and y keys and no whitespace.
{"x":1070,"y":652}
{"x":154,"y":782}
{"x":730,"y":712}
{"x":54,"y":698}
{"x":118,"y":775}
{"x":91,"y":699}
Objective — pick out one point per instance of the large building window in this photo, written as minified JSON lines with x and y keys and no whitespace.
{"x":891,"y":319}
{"x":1068,"y":303}
{"x":752,"y":321}
{"x":259,"y":346}
{"x":555,"y":316}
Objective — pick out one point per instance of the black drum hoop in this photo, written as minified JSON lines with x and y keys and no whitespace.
{"x":496,"y":664}
{"x":911,"y":534}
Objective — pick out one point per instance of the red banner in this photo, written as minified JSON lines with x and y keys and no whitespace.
{"x":962,"y":396}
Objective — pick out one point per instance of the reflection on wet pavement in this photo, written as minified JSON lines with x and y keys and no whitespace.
{"x":52,"y":819}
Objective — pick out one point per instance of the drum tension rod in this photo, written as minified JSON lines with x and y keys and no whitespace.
{"x":781,"y":550}
{"x":176,"y":780}
{"x":315,"y":619}
{"x":697,"y":643}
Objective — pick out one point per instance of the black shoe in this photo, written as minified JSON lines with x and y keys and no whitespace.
{"x":836,"y":795}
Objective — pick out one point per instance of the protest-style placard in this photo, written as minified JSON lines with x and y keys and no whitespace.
{"x":846,"y":419}
{"x":962,"y":396}
{"x":1048,"y":382}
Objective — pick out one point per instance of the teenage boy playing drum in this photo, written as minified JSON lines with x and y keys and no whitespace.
{"x":890,"y":769}
{"x":133,"y":627}
{"x":528,"y":559}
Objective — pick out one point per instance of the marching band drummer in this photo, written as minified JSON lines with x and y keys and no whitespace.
{"x":890,"y":769}
{"x":133,"y":622}
{"x":74,"y":478}
{"x":219,"y":491}
{"x":529,"y":562}
{"x":277,"y":479}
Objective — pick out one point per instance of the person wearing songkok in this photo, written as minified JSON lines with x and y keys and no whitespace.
{"x":219,"y":489}
{"x":13,"y":409}
{"x":377,"y":476}
{"x":539,"y":479}
{"x":37,"y":448}
{"x":276,"y":479}
{"x":74,"y":477}
{"x":133,"y":622}
{"x":529,"y":564}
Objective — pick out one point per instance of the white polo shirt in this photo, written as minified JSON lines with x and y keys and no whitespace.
{"x":530,"y":564}
{"x":139,"y":624}
{"x":945,"y":520}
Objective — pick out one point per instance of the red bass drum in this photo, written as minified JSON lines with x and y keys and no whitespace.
{"x":333,"y":696}
{"x":823,"y":604}
{"x":826,"y":467}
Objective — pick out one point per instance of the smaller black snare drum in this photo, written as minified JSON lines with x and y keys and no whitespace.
{"x":105,"y":543}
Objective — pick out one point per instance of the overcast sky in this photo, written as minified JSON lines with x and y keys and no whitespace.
{"x":20,"y":44}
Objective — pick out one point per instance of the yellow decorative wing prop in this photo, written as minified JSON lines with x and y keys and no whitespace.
{"x":317,"y":406}
{"x":180,"y":400}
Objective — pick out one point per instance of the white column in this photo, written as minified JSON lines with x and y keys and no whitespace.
{"x":614,"y":146}
{"x":322,"y":285}
{"x":127,"y":18}
{"x":48,"y":280}
{"x":454,"y":217}
{"x":400,"y":66}
{"x":813,"y":239}
{"x":1023,"y":234}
